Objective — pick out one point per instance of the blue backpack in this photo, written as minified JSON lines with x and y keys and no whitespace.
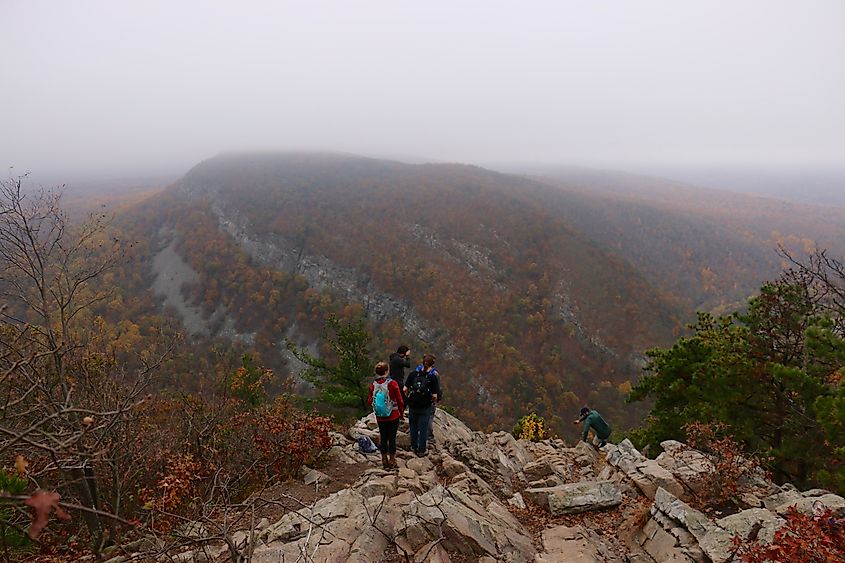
{"x":383,"y":405}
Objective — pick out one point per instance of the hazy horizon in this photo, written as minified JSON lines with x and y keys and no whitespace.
{"x":97,"y":88}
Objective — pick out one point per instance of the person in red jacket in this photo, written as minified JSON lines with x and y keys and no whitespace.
{"x":386,"y":399}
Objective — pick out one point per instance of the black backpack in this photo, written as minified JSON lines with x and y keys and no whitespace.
{"x":419,"y":394}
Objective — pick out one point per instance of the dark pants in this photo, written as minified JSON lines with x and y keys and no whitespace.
{"x":418,"y":420}
{"x":387,"y":436}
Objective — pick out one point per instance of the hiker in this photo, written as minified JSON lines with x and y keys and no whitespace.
{"x":593,"y":421}
{"x":386,"y":399}
{"x":422,"y":389}
{"x":399,"y":360}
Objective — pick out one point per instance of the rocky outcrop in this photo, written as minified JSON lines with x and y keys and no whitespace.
{"x":679,"y":469}
{"x":678,"y":532}
{"x":467,"y":501}
{"x":497,"y":458}
{"x":410,"y":511}
{"x":647,"y":474}
{"x":573,"y":498}
{"x":574,"y":545}
{"x":290,"y":256}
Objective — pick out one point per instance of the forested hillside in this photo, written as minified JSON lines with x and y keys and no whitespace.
{"x":175,"y":432}
{"x":523,"y":311}
{"x":710,"y":248}
{"x":535,"y":294}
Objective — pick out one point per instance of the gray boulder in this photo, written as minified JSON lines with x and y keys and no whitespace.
{"x":806,"y":505}
{"x":649,"y":476}
{"x":573,"y":498}
{"x":624,"y":456}
{"x":315,"y":477}
{"x":718,"y":542}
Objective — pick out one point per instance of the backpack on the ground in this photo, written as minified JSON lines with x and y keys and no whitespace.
{"x":366,"y":445}
{"x":383,"y":405}
{"x":419,"y":395}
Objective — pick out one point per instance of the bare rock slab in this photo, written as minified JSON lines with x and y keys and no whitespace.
{"x":573,"y":498}
{"x":573,"y":545}
{"x":649,"y":476}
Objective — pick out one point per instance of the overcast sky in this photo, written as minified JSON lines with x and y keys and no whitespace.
{"x":143,"y":87}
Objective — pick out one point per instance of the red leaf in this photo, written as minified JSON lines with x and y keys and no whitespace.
{"x":42,"y":502}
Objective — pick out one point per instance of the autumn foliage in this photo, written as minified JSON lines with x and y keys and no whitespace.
{"x":286,"y":438}
{"x":100,"y":442}
{"x":43,"y":503}
{"x":531,"y":427}
{"x":721,"y":486}
{"x":517,"y":288}
{"x":817,"y":538}
{"x":229,"y":445}
{"x":176,"y":484}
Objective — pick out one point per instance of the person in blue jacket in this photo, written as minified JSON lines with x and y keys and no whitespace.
{"x":423,"y":390}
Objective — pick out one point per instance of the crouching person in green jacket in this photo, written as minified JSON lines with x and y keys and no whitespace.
{"x":593,"y":421}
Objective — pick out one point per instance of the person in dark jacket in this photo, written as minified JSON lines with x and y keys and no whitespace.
{"x":422,"y":389}
{"x":399,"y":360}
{"x":387,"y":425}
{"x":593,"y":421}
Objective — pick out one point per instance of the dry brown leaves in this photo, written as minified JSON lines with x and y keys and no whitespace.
{"x":20,"y":465}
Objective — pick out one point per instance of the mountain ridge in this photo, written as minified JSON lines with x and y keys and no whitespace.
{"x":443,"y":255}
{"x":536,"y":295}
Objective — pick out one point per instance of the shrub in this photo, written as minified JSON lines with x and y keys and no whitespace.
{"x":819,"y":538}
{"x":11,"y":535}
{"x":248,"y":382}
{"x":224,"y":448}
{"x":286,"y":438}
{"x":531,"y":427}
{"x":719,"y":487}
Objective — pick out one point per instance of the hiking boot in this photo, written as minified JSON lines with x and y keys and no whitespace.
{"x":385,"y":462}
{"x":391,"y":460}
{"x":602,"y":444}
